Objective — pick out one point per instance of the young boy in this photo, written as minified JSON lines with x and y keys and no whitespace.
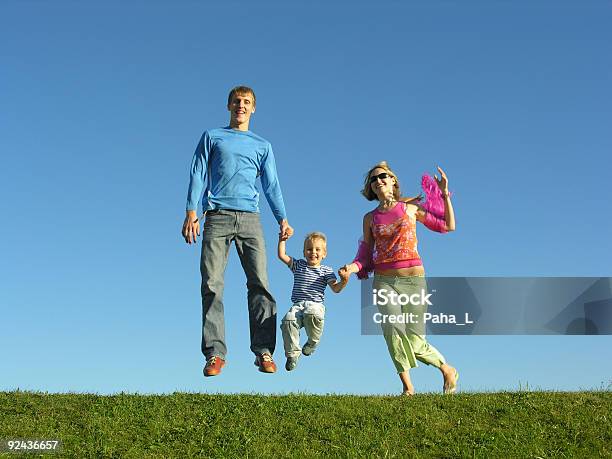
{"x":310,"y":278}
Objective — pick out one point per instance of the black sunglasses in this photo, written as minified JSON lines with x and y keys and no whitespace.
{"x":382,"y":176}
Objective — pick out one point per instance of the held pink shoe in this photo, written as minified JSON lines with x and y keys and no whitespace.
{"x":265,"y":363}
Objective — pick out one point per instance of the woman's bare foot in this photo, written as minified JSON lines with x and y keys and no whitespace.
{"x":450,"y":375}
{"x":408,"y":387}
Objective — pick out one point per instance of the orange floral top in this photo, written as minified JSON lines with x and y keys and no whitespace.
{"x":395,"y":241}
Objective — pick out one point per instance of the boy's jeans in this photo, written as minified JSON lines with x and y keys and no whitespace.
{"x":221,"y":227}
{"x":307,"y":314}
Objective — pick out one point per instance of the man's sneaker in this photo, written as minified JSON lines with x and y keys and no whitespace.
{"x":213,"y":366}
{"x":291,"y":363}
{"x":265,"y":363}
{"x":308,"y":348}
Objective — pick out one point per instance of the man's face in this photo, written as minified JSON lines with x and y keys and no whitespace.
{"x":241,"y":107}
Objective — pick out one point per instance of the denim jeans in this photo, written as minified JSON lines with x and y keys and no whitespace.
{"x":221,"y":227}
{"x":307,"y":314}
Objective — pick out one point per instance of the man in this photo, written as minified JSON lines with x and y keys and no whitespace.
{"x":229,"y":160}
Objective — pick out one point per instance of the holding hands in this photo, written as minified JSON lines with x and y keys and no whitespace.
{"x":285,"y":231}
{"x":344,"y":274}
{"x":346,"y":271}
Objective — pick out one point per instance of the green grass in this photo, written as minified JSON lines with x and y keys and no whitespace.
{"x":521,"y":424}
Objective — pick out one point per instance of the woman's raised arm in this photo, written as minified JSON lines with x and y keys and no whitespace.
{"x":430,"y":220}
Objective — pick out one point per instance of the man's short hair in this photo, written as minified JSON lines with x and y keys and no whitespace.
{"x":242,"y":90}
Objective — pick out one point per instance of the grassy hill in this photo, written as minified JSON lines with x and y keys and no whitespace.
{"x":522,"y":424}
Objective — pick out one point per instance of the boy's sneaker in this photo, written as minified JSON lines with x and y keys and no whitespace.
{"x":308,"y":349}
{"x":213,"y":366}
{"x":291,"y":363}
{"x":265,"y":363}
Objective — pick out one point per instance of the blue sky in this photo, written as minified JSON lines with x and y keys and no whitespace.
{"x":103,"y":105}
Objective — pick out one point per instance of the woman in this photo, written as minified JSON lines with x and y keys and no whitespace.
{"x":390,"y":245}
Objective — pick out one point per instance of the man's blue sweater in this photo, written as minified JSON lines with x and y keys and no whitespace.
{"x":229,"y":161}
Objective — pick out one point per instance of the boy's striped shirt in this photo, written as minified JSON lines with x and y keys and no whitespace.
{"x":309,"y":282}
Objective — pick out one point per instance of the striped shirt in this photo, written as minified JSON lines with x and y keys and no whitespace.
{"x":309,"y":282}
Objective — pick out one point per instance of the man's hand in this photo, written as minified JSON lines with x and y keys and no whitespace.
{"x":191,"y":227}
{"x":285,"y":231}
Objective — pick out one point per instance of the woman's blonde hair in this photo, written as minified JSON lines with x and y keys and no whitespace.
{"x":371,"y":196}
{"x":367,"y":189}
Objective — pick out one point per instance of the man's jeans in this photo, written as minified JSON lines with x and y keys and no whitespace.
{"x":221,"y":227}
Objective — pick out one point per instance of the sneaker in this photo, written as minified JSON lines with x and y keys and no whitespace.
{"x":291,"y":363}
{"x":308,"y":349}
{"x":265,"y":363}
{"x":213,"y":366}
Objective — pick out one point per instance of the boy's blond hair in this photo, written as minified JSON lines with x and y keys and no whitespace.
{"x":315,"y":235}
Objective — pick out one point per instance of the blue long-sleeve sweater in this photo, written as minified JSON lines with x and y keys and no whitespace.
{"x":229,"y":161}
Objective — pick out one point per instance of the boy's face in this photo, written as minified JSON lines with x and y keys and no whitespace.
{"x":315,"y":250}
{"x":241,"y":108}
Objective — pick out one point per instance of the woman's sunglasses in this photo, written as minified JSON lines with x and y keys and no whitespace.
{"x":382,"y":176}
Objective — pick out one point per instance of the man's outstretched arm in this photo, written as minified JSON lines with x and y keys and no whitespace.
{"x":197,"y":177}
{"x":272,"y":190}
